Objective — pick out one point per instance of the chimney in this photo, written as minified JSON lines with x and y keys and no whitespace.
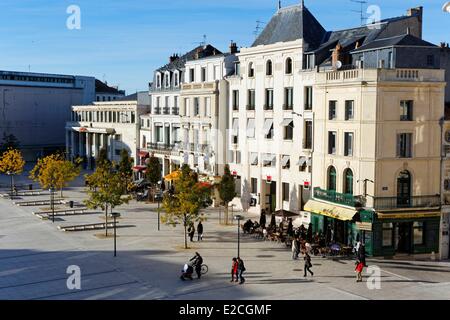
{"x":417,"y":12}
{"x":233,"y":47}
{"x":173,"y":57}
{"x":336,"y":56}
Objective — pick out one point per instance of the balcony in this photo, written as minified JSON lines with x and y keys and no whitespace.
{"x":157,"y":110}
{"x":175,"y":111}
{"x":162,"y":148}
{"x":387,"y":203}
{"x":166,"y":110}
{"x":338,"y":198}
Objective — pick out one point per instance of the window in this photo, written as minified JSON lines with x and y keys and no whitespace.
{"x":332,"y":142}
{"x":231,"y":156}
{"x":288,"y":66}
{"x":167,"y":80}
{"x":418,"y":233}
{"x":196,"y":106}
{"x":254,"y":185}
{"x":430,"y":60}
{"x":203,"y":74}
{"x":251,"y":70}
{"x":404,"y":145}
{"x":285,"y":191}
{"x":308,"y":98}
{"x":158,"y":80}
{"x":166,"y":102}
{"x":288,"y":125}
{"x":348,"y":181}
{"x":308,"y":61}
{"x":251,"y":128}
{"x":349,"y":108}
{"x":269,"y":68}
{"x":235,"y":131}
{"x":238,"y":157}
{"x":388,"y":232}
{"x":269,"y":99}
{"x":133,"y":117}
{"x":175,"y":110}
{"x":288,"y":98}
{"x":348,"y":144}
{"x":447,"y":136}
{"x":177,"y":79}
{"x":308,"y":135}
{"x":406,"y":110}
{"x":192,"y":74}
{"x":269,"y":160}
{"x":159,"y":134}
{"x":286,"y":162}
{"x":390,"y":60}
{"x":235,"y":100}
{"x":237,"y":69}
{"x":268,"y":129}
{"x":251,"y":100}
{"x":332,"y":179}
{"x":254,"y":159}
{"x":332,"y":110}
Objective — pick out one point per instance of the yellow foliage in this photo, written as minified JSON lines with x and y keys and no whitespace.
{"x":11,"y":162}
{"x":54,"y":172}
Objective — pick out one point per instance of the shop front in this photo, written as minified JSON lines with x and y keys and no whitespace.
{"x":406,"y":233}
{"x":341,"y":224}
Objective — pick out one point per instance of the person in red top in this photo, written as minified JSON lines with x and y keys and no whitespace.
{"x":359,"y":269}
{"x":234,"y":270}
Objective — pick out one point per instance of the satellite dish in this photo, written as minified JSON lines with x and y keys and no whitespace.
{"x":338,"y":64}
{"x":446,"y":7}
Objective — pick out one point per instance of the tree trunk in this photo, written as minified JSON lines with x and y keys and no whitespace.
{"x":185,"y":232}
{"x":226,"y":213}
{"x":106,"y":221}
{"x":61,"y":192}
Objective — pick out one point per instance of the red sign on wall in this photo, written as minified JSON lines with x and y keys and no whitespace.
{"x":269,"y":178}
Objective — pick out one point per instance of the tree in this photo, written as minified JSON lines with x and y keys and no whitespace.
{"x":9,"y":142}
{"x":185,"y":204}
{"x":153,"y":173}
{"x":227,"y":189}
{"x":105,"y":190}
{"x":102,"y":159}
{"x":54,"y":172}
{"x":125,"y":169}
{"x":12,"y":163}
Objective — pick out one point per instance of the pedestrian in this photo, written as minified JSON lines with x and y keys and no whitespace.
{"x":359,"y":269}
{"x":308,"y":265}
{"x":290,"y":228}
{"x":191,"y":232}
{"x":200,"y":231}
{"x":295,"y":249}
{"x":197,"y":262}
{"x":234,"y":270}
{"x":241,"y":269}
{"x":362,"y":254}
{"x":262,"y":219}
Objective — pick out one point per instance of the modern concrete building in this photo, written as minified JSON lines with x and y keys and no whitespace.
{"x":111,"y":125}
{"x":36,"y":106}
{"x":204,"y":111}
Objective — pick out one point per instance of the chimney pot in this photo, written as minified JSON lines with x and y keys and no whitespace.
{"x":233,"y":47}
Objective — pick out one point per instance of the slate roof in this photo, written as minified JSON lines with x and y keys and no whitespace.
{"x":101,"y":87}
{"x":292,"y":23}
{"x":401,"y":40}
{"x":179,"y":63}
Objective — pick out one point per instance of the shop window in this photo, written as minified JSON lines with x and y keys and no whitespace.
{"x":388,"y":232}
{"x":418,"y":233}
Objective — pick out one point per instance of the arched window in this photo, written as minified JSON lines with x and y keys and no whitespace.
{"x":404,"y":189}
{"x":158,"y":80}
{"x":167,"y":80}
{"x":176,"y":79}
{"x":348,"y":181}
{"x":331,"y":179}
{"x":269,"y":68}
{"x":251,"y":70}
{"x":288,"y":66}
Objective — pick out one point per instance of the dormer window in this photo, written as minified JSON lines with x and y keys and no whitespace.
{"x":251,"y":70}
{"x":176,"y":79}
{"x":288,"y":66}
{"x":167,"y":80}
{"x":158,"y":80}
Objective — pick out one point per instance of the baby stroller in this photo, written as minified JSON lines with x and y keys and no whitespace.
{"x":187,"y":272}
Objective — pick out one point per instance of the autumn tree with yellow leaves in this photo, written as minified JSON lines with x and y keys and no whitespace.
{"x":54,"y":172}
{"x":12,"y":163}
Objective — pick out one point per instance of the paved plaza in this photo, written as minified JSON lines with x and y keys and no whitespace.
{"x":34,"y":256}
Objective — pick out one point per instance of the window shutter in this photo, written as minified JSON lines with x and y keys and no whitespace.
{"x":399,"y":138}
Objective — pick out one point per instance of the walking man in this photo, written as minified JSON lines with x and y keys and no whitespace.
{"x":191,"y":232}
{"x":241,"y":269}
{"x":308,"y":264}
{"x":295,"y":249}
{"x":200,"y":231}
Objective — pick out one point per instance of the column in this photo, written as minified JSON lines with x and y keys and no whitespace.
{"x":68,"y":146}
{"x":111,"y":147}
{"x":96,"y":144}
{"x":81,"y":144}
{"x":89,"y":150}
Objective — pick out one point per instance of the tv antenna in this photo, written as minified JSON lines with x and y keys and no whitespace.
{"x":202,"y":43}
{"x":259,"y":27}
{"x":361,"y":11}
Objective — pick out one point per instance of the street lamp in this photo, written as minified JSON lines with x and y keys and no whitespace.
{"x":52,"y":204}
{"x":115,"y":215}
{"x":9,"y":173}
{"x":239,"y":218}
{"x":158,"y":196}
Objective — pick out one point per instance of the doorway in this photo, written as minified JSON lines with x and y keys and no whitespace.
{"x":404,"y":237}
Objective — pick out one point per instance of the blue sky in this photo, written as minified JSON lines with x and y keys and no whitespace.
{"x":124,"y":41}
